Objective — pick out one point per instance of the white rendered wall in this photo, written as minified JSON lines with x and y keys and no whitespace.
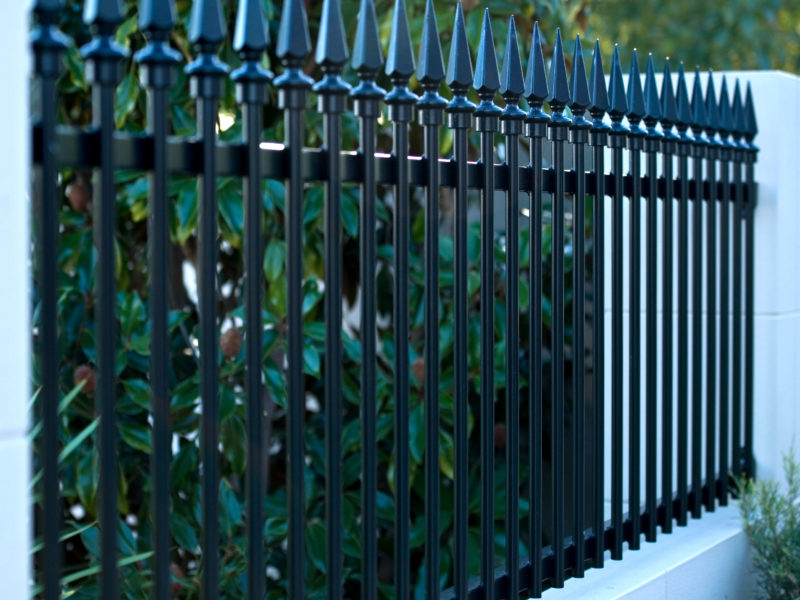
{"x":15,"y":355}
{"x":702,"y":561}
{"x":777,"y":269}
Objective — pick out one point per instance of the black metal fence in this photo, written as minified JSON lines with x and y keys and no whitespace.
{"x":719,"y":150}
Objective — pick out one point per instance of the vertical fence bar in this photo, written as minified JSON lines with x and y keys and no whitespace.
{"x":712,"y":125}
{"x":751,"y":129}
{"x":739,"y":154}
{"x":699,"y":149}
{"x":251,"y":80}
{"x":459,"y":78}
{"x":652,"y":145}
{"x":616,"y":140}
{"x":714,"y":153}
{"x":578,"y":135}
{"x":430,"y":73}
{"x":512,"y":86}
{"x":331,"y":54}
{"x":536,"y":91}
{"x":367,"y":107}
{"x":487,"y":113}
{"x":669,"y":115}
{"x":557,"y":133}
{"x":400,"y":68}
{"x":725,"y":127}
{"x":157,"y":61}
{"x":48,"y":44}
{"x":206,"y":32}
{"x":598,"y":138}
{"x":684,"y":149}
{"x":636,"y":137}
{"x":103,"y":60}
{"x":293,"y":85}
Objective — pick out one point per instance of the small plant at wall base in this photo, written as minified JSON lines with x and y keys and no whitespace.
{"x":771,"y":516}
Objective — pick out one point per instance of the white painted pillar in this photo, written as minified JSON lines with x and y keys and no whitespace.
{"x":776,"y":397}
{"x":15,"y":351}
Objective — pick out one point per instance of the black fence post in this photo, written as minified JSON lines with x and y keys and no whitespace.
{"x":726,"y":154}
{"x":512,"y":85}
{"x":430,"y":72}
{"x":251,"y":80}
{"x":636,"y":135}
{"x":48,"y":44}
{"x":669,"y":143}
{"x":294,"y":45}
{"x":400,"y":67}
{"x":103,"y":71}
{"x":598,"y":138}
{"x":737,"y":363}
{"x":487,"y":122}
{"x":557,"y":133}
{"x":699,"y":150}
{"x":714,"y":149}
{"x":459,"y":111}
{"x":536,"y":91}
{"x":368,"y":97}
{"x":331,"y":55}
{"x":206,"y":32}
{"x":157,"y":62}
{"x":652,"y":144}
{"x":578,"y":136}
{"x":751,"y":129}
{"x":617,"y":140}
{"x":684,"y":150}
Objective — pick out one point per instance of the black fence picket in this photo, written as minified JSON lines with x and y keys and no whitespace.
{"x":565,"y":401}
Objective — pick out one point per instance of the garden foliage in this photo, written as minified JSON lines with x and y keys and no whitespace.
{"x":771,"y":517}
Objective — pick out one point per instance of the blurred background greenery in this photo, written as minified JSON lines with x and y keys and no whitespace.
{"x":723,"y":34}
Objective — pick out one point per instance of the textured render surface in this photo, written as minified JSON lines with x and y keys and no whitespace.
{"x":776,"y":96}
{"x":707,"y":560}
{"x":14,"y":332}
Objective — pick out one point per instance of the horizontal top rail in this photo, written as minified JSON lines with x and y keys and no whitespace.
{"x":81,"y":149}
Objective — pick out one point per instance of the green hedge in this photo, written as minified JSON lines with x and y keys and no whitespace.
{"x":79,"y":458}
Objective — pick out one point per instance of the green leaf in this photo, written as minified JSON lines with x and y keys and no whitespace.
{"x":76,"y":69}
{"x":62,"y":406}
{"x":416,"y":432}
{"x":311,"y":361}
{"x":230,"y":509}
{"x":125,"y":99}
{"x":183,"y":532}
{"x":349,"y":213}
{"x":76,"y":441}
{"x":128,"y":560}
{"x":446,"y":454}
{"x":274,"y":259}
{"x":229,"y":200}
{"x":185,"y":211}
{"x":136,"y":435}
{"x":234,"y":443}
{"x":315,"y":544}
{"x":524,"y":295}
{"x":65,"y":535}
{"x":138,"y":390}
